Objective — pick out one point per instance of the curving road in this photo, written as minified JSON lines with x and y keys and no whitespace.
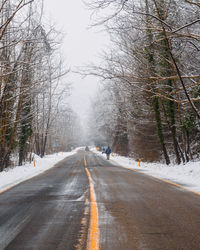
{"x":135,"y":211}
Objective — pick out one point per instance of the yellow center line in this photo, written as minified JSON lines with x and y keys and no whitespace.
{"x":85,"y":162}
{"x":94,"y":220}
{"x":169,"y":182}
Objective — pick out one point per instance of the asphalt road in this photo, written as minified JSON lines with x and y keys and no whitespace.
{"x":135,"y":211}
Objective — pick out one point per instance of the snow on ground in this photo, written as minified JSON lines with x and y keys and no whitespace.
{"x":13,"y":176}
{"x":187,"y":175}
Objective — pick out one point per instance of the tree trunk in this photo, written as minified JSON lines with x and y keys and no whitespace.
{"x":160,"y":129}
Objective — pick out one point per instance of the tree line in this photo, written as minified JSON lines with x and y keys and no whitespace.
{"x":32,"y":88}
{"x":149,"y":106}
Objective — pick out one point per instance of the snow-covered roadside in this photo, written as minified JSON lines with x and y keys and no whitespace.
{"x":14,"y":176}
{"x":187,"y":175}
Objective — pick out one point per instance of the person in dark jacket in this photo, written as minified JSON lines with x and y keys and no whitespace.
{"x":108,"y":152}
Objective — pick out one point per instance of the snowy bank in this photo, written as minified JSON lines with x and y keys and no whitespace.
{"x":13,"y":176}
{"x":187,"y":175}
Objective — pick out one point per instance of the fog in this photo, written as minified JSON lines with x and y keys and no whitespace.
{"x":81,"y":46}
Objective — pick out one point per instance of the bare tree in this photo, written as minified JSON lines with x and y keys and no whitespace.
{"x":156,"y":65}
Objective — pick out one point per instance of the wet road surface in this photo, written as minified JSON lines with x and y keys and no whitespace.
{"x":135,"y":211}
{"x":48,"y":211}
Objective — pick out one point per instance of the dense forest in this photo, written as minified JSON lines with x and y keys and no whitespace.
{"x":149,"y":103}
{"x":32,"y":88}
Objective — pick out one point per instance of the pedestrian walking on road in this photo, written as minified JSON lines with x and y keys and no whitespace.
{"x":108,"y":152}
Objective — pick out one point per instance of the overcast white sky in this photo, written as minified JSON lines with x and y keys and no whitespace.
{"x":80,"y":46}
